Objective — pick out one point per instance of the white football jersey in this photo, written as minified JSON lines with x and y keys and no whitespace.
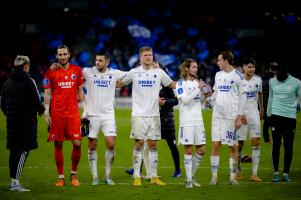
{"x":253,"y":86}
{"x":227,"y":87}
{"x":101,"y":90}
{"x":190,"y":106}
{"x":145,"y":89}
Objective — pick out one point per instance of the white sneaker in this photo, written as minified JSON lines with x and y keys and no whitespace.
{"x":189,"y":184}
{"x":213,"y":181}
{"x":19,"y":188}
{"x":148,"y":178}
{"x":95,"y":181}
{"x":195,"y":184}
{"x":109,"y":181}
{"x":233,"y":181}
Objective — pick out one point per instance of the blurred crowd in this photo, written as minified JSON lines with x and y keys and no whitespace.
{"x":174,"y":36}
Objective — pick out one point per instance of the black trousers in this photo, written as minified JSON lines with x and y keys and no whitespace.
{"x":170,"y":137}
{"x":17,"y":160}
{"x":174,"y":153}
{"x":266,"y":127}
{"x":283,"y":127}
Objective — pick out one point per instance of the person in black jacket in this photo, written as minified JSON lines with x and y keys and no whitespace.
{"x":167,"y":101}
{"x":20,"y":103}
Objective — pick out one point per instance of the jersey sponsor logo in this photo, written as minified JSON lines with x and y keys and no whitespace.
{"x":251,"y":94}
{"x":76,"y":135}
{"x":65,"y":84}
{"x":45,"y":82}
{"x":146,"y":83}
{"x":224,"y":88}
{"x":102,"y":83}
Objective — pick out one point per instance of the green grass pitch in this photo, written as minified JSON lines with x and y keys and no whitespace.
{"x":39,"y":173}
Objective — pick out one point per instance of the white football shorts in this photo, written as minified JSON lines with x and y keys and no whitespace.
{"x":106,"y":123}
{"x":223,"y":130}
{"x":146,"y":128}
{"x":251,"y":129}
{"x":192,"y":135}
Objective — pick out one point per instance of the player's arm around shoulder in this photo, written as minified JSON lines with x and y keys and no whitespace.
{"x":128,"y":76}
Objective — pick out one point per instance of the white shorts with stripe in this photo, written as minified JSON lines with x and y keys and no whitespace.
{"x":106,"y":123}
{"x":192,"y":135}
{"x":146,"y":128}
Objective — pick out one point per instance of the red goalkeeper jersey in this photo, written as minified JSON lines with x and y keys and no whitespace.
{"x":64,"y":87}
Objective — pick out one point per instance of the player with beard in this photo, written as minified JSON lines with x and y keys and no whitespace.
{"x":63,"y":89}
{"x":192,"y":131}
{"x":100,"y":83}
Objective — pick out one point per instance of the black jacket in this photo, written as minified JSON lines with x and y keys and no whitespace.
{"x":20,"y":102}
{"x":166,"y":112}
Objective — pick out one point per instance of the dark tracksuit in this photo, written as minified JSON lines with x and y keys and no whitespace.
{"x":20,"y":103}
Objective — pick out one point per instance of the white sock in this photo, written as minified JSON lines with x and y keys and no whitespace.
{"x":146,"y":161}
{"x":92,"y":158}
{"x":196,"y":161}
{"x":109,"y":156}
{"x":238,"y":160}
{"x":137,"y":159}
{"x":61,"y":176}
{"x":153,"y":159}
{"x":188,"y":166}
{"x":14,"y":182}
{"x":214,"y":165}
{"x":255,"y":159}
{"x":232,"y":165}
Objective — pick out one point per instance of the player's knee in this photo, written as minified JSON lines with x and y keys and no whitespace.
{"x":76,"y":144}
{"x":233,"y":149}
{"x":92,"y":147}
{"x":201,"y":152}
{"x":111,"y":146}
{"x":58,"y":145}
{"x":188,"y":151}
{"x":255,"y":142}
{"x":215,"y":146}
